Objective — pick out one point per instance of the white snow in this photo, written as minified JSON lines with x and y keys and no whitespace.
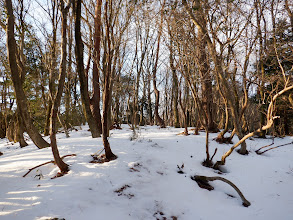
{"x":143,"y":182}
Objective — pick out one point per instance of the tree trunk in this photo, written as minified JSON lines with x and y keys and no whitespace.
{"x":17,"y":82}
{"x":158,"y":119}
{"x":107,"y":90}
{"x":174,"y":84}
{"x":20,"y":130}
{"x":220,"y":138}
{"x":57,"y":97}
{"x":261,"y":70}
{"x":204,"y":72}
{"x":95,"y":100}
{"x":68,"y":84}
{"x":150,"y":109}
{"x":2,"y":126}
{"x":53,"y":67}
{"x":82,"y":77}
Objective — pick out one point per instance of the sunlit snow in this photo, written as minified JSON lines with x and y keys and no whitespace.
{"x":143,"y":182}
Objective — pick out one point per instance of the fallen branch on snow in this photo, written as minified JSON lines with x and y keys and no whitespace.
{"x":51,"y":161}
{"x":202,"y":182}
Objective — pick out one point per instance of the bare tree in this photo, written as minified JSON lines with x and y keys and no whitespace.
{"x":95,"y":100}
{"x":56,"y":99}
{"x":82,"y":74}
{"x":158,"y":119}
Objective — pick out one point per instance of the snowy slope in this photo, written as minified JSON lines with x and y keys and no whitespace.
{"x":143,"y":182}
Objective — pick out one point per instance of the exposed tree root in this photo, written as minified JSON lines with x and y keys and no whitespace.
{"x":202,"y":182}
{"x":183,"y":133}
{"x":259,"y":153}
{"x":51,"y":161}
{"x":115,"y":125}
{"x":207,"y":163}
{"x":196,"y":132}
{"x":224,"y":140}
{"x":245,"y":153}
{"x":102,"y":158}
{"x":273,"y":142}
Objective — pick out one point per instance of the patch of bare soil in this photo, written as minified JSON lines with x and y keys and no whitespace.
{"x":121,"y":192}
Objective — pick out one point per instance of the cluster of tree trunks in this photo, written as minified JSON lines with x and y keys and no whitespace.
{"x":204,"y":80}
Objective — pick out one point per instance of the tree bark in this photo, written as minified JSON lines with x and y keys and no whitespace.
{"x":81,"y":72}
{"x":174,"y":83}
{"x":20,"y":130}
{"x":53,"y":67}
{"x":204,"y":71}
{"x":260,"y":69}
{"x":158,"y":119}
{"x":57,"y":97}
{"x":68,"y":84}
{"x":107,"y":91}
{"x":150,"y":109}
{"x":95,"y":100}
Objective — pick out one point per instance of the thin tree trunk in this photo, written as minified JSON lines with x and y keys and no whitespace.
{"x":57,"y":97}
{"x":107,"y":91}
{"x":158,"y":119}
{"x":204,"y":70}
{"x":261,"y":70}
{"x":150,"y":110}
{"x":174,"y":83}
{"x":95,"y":100}
{"x":68,"y":84}
{"x":53,"y":66}
{"x":220,"y":138}
{"x":82,"y":77}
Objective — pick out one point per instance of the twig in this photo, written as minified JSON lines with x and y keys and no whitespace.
{"x":205,"y":179}
{"x":98,"y":153}
{"x":52,"y":161}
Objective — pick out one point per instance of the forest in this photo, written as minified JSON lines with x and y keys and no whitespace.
{"x":217,"y":69}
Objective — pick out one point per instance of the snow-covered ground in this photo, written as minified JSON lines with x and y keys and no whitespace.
{"x":143,"y":182}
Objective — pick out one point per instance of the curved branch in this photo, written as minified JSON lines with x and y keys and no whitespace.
{"x":205,"y":179}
